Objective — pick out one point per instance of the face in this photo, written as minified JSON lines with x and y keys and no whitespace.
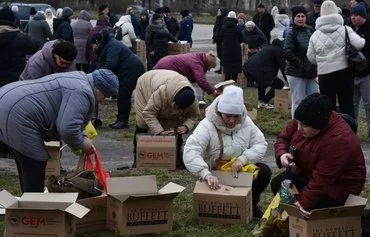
{"x":300,"y":19}
{"x":357,"y":21}
{"x":316,"y":7}
{"x":218,"y":12}
{"x":158,"y":21}
{"x":249,"y":28}
{"x":260,"y":10}
{"x":230,"y":120}
{"x":352,"y":3}
{"x":143,"y":17}
{"x":62,"y":63}
{"x":99,"y":96}
{"x":241,"y":21}
{"x":105,"y":11}
{"x":306,"y":130}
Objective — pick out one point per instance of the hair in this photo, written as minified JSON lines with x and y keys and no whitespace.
{"x":282,"y":11}
{"x":65,"y":50}
{"x":102,"y":7}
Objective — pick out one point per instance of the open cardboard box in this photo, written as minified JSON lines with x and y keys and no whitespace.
{"x":230,"y":204}
{"x":96,"y":219}
{"x":53,"y":164}
{"x":41,"y":214}
{"x":136,"y":206}
{"x":334,"y":221}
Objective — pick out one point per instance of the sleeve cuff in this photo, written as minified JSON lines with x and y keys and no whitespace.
{"x":203,"y":173}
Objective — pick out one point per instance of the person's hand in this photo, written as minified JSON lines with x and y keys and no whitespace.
{"x":168,"y":132}
{"x":87,"y":146}
{"x":212,"y":182}
{"x":235,"y":167}
{"x":217,"y":93}
{"x":304,"y":212}
{"x":286,"y":159}
{"x":182,"y":129}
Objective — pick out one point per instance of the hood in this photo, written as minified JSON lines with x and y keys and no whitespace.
{"x":282,"y":20}
{"x":329,"y":23}
{"x":84,"y":15}
{"x":214,"y":117}
{"x":230,"y":22}
{"x":106,"y":38}
{"x":8,"y":34}
{"x":124,"y":19}
{"x":39,"y":16}
{"x":47,"y":52}
{"x":224,"y":12}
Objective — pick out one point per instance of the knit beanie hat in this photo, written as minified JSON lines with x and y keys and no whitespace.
{"x":65,"y":50}
{"x":7,"y":15}
{"x":260,"y":5}
{"x":15,"y":8}
{"x":231,"y":101}
{"x":317,"y":2}
{"x":184,"y":98}
{"x":106,"y":82}
{"x":211,"y":59}
{"x":166,"y":10}
{"x":184,"y":13}
{"x":250,"y":24}
{"x":67,"y":12}
{"x":231,"y":14}
{"x":33,"y":11}
{"x":359,"y":10}
{"x":102,"y":7}
{"x":328,"y":8}
{"x":298,"y":9}
{"x":314,"y":111}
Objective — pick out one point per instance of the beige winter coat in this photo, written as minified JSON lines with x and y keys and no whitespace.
{"x":154,"y":102}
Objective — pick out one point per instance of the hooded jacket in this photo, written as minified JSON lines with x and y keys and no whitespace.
{"x":127,"y":28}
{"x":332,"y":163}
{"x":81,"y":29}
{"x":100,"y":25}
{"x":53,"y":107}
{"x":282,"y":22}
{"x":327,"y":46}
{"x":255,"y":38}
{"x":186,"y":29}
{"x":245,"y":141}
{"x":63,"y":29}
{"x":154,"y":102}
{"x":38,"y":29}
{"x":157,"y":37}
{"x":14,"y":46}
{"x":42,"y":63}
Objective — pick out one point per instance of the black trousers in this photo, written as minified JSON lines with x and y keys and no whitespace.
{"x":300,"y":183}
{"x":232,"y":76}
{"x":262,"y":181}
{"x":219,"y":53}
{"x":339,"y":84}
{"x":179,"y":143}
{"x":31,"y":172}
{"x":266,"y":97}
{"x":158,"y":55}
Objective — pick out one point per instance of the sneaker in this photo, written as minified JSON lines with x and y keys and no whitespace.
{"x":269,"y":106}
{"x":261,"y":105}
{"x":120,"y":125}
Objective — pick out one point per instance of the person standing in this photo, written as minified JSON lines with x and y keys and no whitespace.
{"x":49,"y":18}
{"x":104,"y":9}
{"x":125,"y":31}
{"x":327,"y":49}
{"x":171,"y":22}
{"x":134,"y":21}
{"x":231,"y":40}
{"x":216,"y":39}
{"x":51,"y":108}
{"x":313,"y":15}
{"x":64,"y":30}
{"x":282,"y":22}
{"x":300,"y":72}
{"x":360,"y":21}
{"x":115,"y":56}
{"x":38,"y":29}
{"x":186,"y":27}
{"x":81,"y":29}
{"x":264,"y":21}
{"x":144,"y":22}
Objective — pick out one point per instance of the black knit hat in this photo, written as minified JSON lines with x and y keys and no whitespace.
{"x":298,"y":9}
{"x":314,"y":111}
{"x":184,"y":98}
{"x":184,"y":13}
{"x":65,"y":50}
{"x":156,"y":16}
{"x":7,"y":16}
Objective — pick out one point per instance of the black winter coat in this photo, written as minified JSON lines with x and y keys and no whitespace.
{"x":265,"y":65}
{"x":255,"y":38}
{"x":63,"y":29}
{"x":157,"y":37}
{"x":218,"y":25}
{"x":265,"y":23}
{"x":14,"y":46}
{"x":231,"y":39}
{"x":364,"y":32}
{"x":172,"y":25}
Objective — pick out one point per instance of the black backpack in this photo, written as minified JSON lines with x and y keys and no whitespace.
{"x":352,"y":123}
{"x":118,"y":32}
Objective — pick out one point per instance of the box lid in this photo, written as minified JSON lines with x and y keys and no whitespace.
{"x":53,"y":144}
{"x":244,"y":179}
{"x":171,"y":190}
{"x":224,"y":83}
{"x":7,"y":200}
{"x":224,"y":190}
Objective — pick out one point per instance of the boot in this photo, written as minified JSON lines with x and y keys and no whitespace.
{"x":257,"y":212}
{"x":120,"y":125}
{"x":97,"y":123}
{"x":114,"y":123}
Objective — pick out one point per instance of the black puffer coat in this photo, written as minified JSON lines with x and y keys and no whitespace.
{"x":218,"y":25}
{"x":231,"y":39}
{"x":157,"y":37}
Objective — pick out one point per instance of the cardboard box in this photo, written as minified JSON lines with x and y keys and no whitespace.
{"x":230,"y":204}
{"x":242,"y":81}
{"x":96,"y":219}
{"x":138,"y":46}
{"x":53,"y":164}
{"x":135,"y":206}
{"x":252,"y":114}
{"x":156,"y":151}
{"x":282,"y":100}
{"x":178,"y":48}
{"x":221,"y":85}
{"x":41,"y":214}
{"x":333,"y":222}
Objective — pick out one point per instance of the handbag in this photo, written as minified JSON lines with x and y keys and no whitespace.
{"x":356,"y":59}
{"x":88,"y":180}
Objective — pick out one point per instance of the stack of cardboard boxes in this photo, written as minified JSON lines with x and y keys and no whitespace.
{"x":139,"y":48}
{"x":282,"y":100}
{"x":178,"y":48}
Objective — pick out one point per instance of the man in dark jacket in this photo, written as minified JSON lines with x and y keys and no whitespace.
{"x":272,"y":59}
{"x":313,"y":15}
{"x":118,"y":58}
{"x":144,"y":22}
{"x":264,"y":21}
{"x":64,"y":30}
{"x":186,"y":27}
{"x":104,"y":9}
{"x":220,"y":18}
{"x":171,"y":22}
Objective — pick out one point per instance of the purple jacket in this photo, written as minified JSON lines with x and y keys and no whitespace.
{"x":81,"y":29}
{"x":42,"y":63}
{"x":193,"y":66}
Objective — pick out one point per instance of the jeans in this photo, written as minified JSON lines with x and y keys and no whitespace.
{"x":300,"y":88}
{"x":266,"y":97}
{"x":362,"y":90}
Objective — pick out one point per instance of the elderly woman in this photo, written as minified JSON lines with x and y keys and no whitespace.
{"x":54,"y":107}
{"x":322,"y":155}
{"x":228,"y":132}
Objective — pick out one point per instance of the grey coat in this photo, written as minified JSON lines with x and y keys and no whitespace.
{"x":39,"y":29}
{"x":81,"y":30}
{"x":53,"y":107}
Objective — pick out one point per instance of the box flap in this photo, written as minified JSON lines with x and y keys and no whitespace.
{"x":6,"y":199}
{"x":52,"y":144}
{"x":244,"y":179}
{"x":354,"y":200}
{"x":292,"y":210}
{"x":203,"y":188}
{"x":126,"y":186}
{"x":47,"y":200}
{"x":334,"y":212}
{"x":77,"y":210}
{"x":171,"y":188}
{"x":224,"y":83}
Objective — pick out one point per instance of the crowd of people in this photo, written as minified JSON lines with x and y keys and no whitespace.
{"x":53,"y":75}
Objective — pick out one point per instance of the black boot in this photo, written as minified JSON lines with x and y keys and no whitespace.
{"x":120,"y":125}
{"x":114,"y":123}
{"x":97,"y":123}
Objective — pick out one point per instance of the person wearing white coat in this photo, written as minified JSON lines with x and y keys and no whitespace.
{"x":327,"y":49}
{"x":128,"y":34}
{"x":241,"y":138}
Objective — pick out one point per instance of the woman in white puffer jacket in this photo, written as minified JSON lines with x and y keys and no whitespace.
{"x":241,"y":139}
{"x":127,"y":30}
{"x":327,"y":49}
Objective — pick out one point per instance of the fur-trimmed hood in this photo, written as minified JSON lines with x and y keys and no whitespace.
{"x":329,"y":23}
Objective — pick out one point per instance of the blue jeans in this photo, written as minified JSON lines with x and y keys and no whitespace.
{"x":362,"y":90}
{"x":300,"y":88}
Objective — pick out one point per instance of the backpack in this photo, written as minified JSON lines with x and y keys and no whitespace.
{"x":352,"y":123}
{"x":118,"y":32}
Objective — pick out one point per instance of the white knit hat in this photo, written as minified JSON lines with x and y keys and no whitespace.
{"x":231,"y":101}
{"x":328,"y":7}
{"x":250,"y":24}
{"x":231,"y":14}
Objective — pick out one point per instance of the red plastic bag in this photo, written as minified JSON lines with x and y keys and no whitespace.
{"x":100,"y":172}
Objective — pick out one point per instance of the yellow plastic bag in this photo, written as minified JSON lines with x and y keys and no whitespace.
{"x":91,"y":134}
{"x":248,"y":168}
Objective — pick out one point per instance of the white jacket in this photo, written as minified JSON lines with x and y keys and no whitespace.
{"x":281,"y":23}
{"x":245,"y":141}
{"x":128,"y":32}
{"x":327,"y":44}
